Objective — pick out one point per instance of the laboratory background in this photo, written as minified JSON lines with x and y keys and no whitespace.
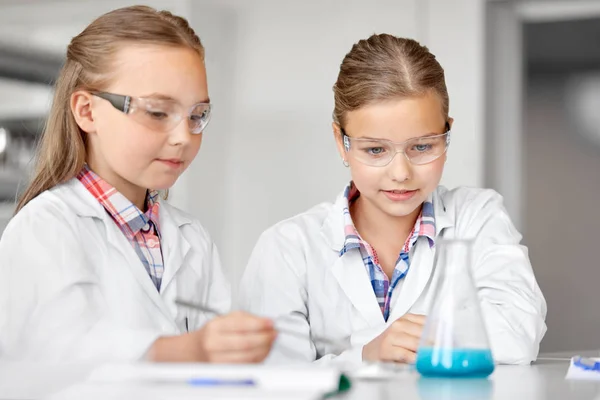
{"x":524,"y":84}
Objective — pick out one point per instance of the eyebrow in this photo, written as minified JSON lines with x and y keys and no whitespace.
{"x":414,"y":137}
{"x":446,"y":130}
{"x":161,"y":96}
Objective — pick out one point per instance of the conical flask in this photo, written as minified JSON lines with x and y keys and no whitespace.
{"x":454,"y":342}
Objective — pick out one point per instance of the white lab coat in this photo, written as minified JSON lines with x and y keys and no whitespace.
{"x":72,"y":287}
{"x":295,"y":274}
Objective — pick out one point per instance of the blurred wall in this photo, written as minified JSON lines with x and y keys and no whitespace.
{"x":561,"y":170}
{"x":269,"y":151}
{"x":561,"y":160}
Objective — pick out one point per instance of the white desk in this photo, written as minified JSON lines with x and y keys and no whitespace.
{"x":543,"y":380}
{"x":24,"y":381}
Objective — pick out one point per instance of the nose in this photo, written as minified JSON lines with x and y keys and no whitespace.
{"x":399,"y":169}
{"x":180,"y":135}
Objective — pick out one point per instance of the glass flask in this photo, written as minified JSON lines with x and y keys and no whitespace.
{"x":455,"y":389}
{"x":454,"y":342}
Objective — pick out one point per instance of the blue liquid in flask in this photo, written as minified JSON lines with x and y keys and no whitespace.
{"x":466,"y":363}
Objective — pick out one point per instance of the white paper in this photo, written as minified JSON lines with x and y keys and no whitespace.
{"x":324,"y":379}
{"x":578,"y":373}
{"x":166,"y":381}
{"x":128,"y":391}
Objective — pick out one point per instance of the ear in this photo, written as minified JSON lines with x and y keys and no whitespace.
{"x":337,"y":134}
{"x":81,"y":108}
{"x":450,"y":122}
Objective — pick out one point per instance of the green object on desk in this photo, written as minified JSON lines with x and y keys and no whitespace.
{"x":344,"y":385}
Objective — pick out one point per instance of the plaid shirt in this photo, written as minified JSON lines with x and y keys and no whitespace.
{"x":382,"y":286}
{"x":141,"y":229}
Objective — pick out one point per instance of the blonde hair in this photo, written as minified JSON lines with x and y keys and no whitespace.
{"x":385,"y":67}
{"x":61,"y":151}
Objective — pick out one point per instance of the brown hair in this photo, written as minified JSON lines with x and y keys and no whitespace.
{"x":385,"y":67}
{"x":61,"y":152}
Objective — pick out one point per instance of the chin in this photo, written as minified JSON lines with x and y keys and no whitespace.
{"x":401,"y":210}
{"x":162,"y":184}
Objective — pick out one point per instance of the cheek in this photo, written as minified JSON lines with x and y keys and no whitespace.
{"x":129,"y":142}
{"x":365,"y":177}
{"x":431,"y":173}
{"x":195,"y":145}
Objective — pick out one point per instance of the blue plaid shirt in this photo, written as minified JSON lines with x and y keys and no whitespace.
{"x":382,"y":286}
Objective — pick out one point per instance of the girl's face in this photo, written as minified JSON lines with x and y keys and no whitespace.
{"x":399,"y":188}
{"x":135,"y":152}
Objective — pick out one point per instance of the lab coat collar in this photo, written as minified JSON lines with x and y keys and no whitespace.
{"x":174,"y":245}
{"x":333,"y":232}
{"x":352,"y":276}
{"x":83,"y":203}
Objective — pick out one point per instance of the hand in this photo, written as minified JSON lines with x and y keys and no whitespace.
{"x":237,"y":337}
{"x":398,"y":343}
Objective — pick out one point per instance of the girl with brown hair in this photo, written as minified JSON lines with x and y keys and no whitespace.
{"x":359,"y":272}
{"x":94,"y":259}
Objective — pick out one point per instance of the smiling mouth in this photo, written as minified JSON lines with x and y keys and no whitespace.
{"x":400,"y":195}
{"x":173,"y":163}
{"x":400,"y":191}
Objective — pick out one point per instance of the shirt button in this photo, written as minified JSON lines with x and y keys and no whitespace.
{"x":146,"y":228}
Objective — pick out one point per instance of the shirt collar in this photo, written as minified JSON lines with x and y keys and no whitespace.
{"x":127,"y":216}
{"x":424,"y":226}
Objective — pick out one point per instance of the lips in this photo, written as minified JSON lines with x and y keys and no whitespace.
{"x":173,"y":162}
{"x":400,"y":195}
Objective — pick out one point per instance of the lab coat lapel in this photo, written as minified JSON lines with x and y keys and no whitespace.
{"x":418,"y":277}
{"x":422,"y":264}
{"x":120,"y":244}
{"x":351,"y":274}
{"x":85,"y":205}
{"x":175,"y":246}
{"x":349,"y":269}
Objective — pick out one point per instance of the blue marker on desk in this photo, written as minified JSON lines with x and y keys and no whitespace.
{"x":587,"y":364}
{"x":221,"y":382}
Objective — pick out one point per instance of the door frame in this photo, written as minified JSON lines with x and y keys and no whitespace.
{"x":505,"y":85}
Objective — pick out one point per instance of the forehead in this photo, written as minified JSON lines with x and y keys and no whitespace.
{"x":176,"y":72}
{"x":398,"y":119}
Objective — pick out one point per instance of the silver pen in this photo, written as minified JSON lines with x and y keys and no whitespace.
{"x":206,"y":309}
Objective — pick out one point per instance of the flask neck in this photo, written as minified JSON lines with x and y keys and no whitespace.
{"x":454,"y":257}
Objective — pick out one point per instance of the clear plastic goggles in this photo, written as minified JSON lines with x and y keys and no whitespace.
{"x":161,"y":115}
{"x":380,"y":152}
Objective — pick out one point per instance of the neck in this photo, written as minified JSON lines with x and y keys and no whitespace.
{"x":375,"y":225}
{"x":134,"y":193}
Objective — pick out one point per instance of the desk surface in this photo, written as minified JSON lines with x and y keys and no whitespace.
{"x":543,"y":380}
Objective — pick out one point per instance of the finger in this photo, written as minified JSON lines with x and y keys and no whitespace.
{"x":399,"y":355}
{"x":242,"y":322}
{"x":416,"y":318}
{"x":255,"y":355}
{"x":239,"y":342}
{"x":404,"y":340}
{"x":408,"y":327}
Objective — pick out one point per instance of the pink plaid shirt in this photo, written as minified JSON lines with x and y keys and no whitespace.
{"x":141,"y":229}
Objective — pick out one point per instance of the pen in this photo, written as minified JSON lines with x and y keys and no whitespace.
{"x":220,"y":382}
{"x":200,"y":307}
